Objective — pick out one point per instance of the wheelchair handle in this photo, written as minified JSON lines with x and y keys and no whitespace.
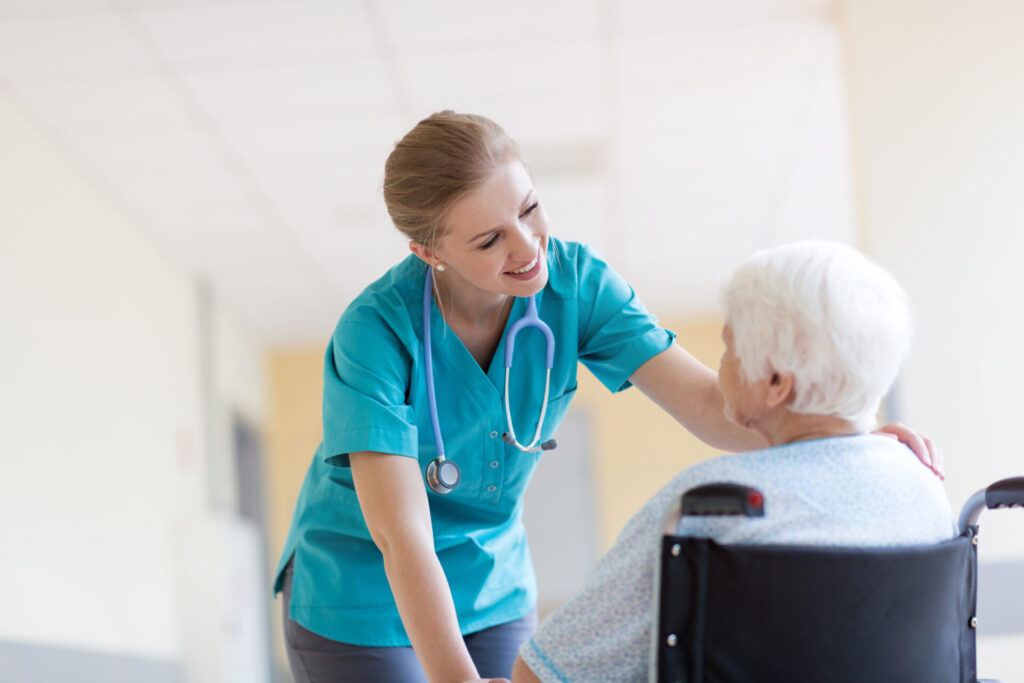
{"x":722,"y":498}
{"x":1003,"y":493}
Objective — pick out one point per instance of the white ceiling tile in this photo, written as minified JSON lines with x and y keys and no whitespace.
{"x":513,"y":72}
{"x":20,"y":9}
{"x":135,"y":153}
{"x":725,"y":133}
{"x":718,"y":58}
{"x":282,"y":299}
{"x":353,"y":255}
{"x":258,"y":33}
{"x":551,"y":119}
{"x":69,"y":46}
{"x":176,"y":194}
{"x":321,"y":191}
{"x":633,"y":17}
{"x":272,"y":93}
{"x":354,"y":139}
{"x":106,"y":106}
{"x":171,"y":4}
{"x":488,"y":23}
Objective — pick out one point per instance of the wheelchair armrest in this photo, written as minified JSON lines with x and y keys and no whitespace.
{"x":1003,"y":493}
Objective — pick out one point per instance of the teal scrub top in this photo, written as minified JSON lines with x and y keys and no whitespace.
{"x":375,"y":400}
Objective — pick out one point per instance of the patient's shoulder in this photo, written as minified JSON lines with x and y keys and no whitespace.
{"x":853,"y":491}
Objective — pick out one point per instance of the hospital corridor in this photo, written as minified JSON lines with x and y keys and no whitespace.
{"x":362,"y":340}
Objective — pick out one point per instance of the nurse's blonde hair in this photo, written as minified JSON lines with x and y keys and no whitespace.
{"x":443,"y":158}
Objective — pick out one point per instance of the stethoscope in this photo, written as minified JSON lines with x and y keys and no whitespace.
{"x":444,"y":475}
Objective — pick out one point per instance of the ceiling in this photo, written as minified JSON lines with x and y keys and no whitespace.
{"x":247,"y":139}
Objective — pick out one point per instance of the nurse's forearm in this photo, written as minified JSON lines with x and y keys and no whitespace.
{"x":394,"y":504}
{"x":428,"y":613}
{"x":688,"y":391}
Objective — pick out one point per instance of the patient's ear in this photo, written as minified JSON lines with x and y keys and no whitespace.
{"x":780,"y":389}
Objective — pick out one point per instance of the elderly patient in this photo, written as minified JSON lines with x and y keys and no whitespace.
{"x":814,"y":337}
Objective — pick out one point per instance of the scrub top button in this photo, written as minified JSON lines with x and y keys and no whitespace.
{"x":494,"y":435}
{"x":494,"y":464}
{"x":492,"y":488}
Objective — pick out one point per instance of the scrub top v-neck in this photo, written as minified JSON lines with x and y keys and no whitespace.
{"x":375,"y":400}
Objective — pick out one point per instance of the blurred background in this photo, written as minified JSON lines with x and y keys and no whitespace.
{"x":190,"y":196}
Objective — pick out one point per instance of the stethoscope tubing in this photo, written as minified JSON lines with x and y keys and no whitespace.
{"x":435,"y":478}
{"x":429,"y":365}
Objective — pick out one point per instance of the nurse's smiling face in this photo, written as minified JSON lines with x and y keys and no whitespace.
{"x":496,"y":237}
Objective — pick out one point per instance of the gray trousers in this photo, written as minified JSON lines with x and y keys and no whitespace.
{"x":315,"y":659}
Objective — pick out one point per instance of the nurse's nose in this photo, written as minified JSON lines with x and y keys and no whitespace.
{"x":524,"y":241}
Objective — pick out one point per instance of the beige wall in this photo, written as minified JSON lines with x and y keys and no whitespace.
{"x":936,"y":99}
{"x":637,"y":446}
{"x":295,"y":382}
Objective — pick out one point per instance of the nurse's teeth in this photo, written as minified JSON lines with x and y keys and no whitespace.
{"x":528,"y":266}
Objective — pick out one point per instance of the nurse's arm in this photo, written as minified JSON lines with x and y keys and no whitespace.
{"x":688,"y":390}
{"x":394,"y":504}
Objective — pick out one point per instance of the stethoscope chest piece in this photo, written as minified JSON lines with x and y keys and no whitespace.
{"x":443,"y":475}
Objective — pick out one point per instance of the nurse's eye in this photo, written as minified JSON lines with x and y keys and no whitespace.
{"x":490,"y":242}
{"x":530,"y":209}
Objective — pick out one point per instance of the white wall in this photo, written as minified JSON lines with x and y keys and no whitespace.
{"x":937,"y":111}
{"x":102,"y":446}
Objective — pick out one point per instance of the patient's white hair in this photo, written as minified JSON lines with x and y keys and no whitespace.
{"x":824,"y":312}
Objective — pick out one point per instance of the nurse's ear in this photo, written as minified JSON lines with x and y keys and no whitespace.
{"x":425,"y":254}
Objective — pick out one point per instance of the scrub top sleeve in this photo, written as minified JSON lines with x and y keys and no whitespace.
{"x":366,"y":376}
{"x":617,"y":334}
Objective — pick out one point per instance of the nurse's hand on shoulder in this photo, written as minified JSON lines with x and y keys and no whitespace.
{"x":922,"y":446}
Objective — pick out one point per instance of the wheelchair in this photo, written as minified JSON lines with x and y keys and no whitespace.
{"x":794,"y":613}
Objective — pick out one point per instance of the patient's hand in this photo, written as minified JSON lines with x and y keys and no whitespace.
{"x":922,"y":446}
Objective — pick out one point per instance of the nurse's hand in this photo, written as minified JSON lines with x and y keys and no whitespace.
{"x":922,"y":446}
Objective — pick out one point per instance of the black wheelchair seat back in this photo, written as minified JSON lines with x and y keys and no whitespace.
{"x":770,"y":613}
{"x":794,"y":613}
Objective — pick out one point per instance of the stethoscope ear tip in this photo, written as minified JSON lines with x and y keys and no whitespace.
{"x":549,"y":445}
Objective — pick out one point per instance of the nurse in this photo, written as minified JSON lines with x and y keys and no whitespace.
{"x":383,"y":578}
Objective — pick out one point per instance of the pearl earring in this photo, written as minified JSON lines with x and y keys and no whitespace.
{"x":440,"y":267}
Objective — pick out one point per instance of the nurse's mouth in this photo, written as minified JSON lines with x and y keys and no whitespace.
{"x":527,"y":272}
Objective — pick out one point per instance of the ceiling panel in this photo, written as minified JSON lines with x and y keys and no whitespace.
{"x":135,"y":156}
{"x":346,"y":135}
{"x":258,"y":33}
{"x":353,"y":254}
{"x":503,"y":72}
{"x":109,"y":105}
{"x":324,"y":184}
{"x":274,"y":92}
{"x":22,"y":9}
{"x":647,"y":17}
{"x":251,"y":136}
{"x":487,"y":24}
{"x":69,"y":46}
{"x":722,"y":58}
